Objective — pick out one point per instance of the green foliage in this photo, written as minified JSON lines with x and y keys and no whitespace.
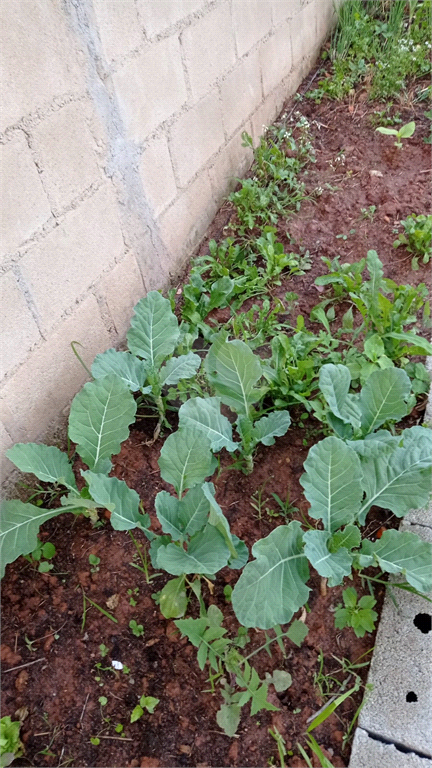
{"x":225,"y":661}
{"x":149,"y":367}
{"x":146,"y":702}
{"x":137,"y":629}
{"x":417,"y":238}
{"x":404,"y":132}
{"x":10,"y":743}
{"x":378,"y":46}
{"x":358,"y":615}
{"x":42,"y":554}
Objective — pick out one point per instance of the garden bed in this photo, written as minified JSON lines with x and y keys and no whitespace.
{"x":55,"y":671}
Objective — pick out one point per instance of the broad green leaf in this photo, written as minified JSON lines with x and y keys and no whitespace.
{"x":383,"y":398}
{"x":156,"y":544}
{"x":194,"y":510}
{"x":207,"y":553}
{"x":186,"y":459}
{"x":387,"y":131}
{"x":119,"y":499}
{"x":349,"y":538}
{"x":332,"y":565}
{"x":424,"y":346}
{"x":127,"y":367}
{"x":401,"y":552}
{"x":280,"y":679}
{"x":203,"y":413}
{"x":99,"y":420}
{"x":242,"y":554}
{"x":376,"y":444}
{"x":47,"y":462}
{"x":334,"y":382}
{"x":168,"y":513}
{"x":374,"y":347}
{"x":183,"y":367}
{"x":19,"y":526}
{"x":173,"y":599}
{"x":399,"y":481}
{"x":268,"y":427}
{"x":218,"y":519}
{"x":228,"y":718}
{"x":220,"y":292}
{"x":154,"y":330}
{"x":233,"y":370}
{"x":332,"y":483}
{"x":407,"y":130}
{"x":297,"y":632}
{"x":273,"y":587}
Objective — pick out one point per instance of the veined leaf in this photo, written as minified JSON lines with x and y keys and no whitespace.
{"x":332,"y":483}
{"x":127,"y":367}
{"x":186,"y":459}
{"x":268,"y":427}
{"x":183,"y":367}
{"x":218,"y":519}
{"x":203,"y":413}
{"x":47,"y":462}
{"x":376,"y":444}
{"x":154,"y":330}
{"x":384,"y":397}
{"x":400,"y":481}
{"x":167,"y":511}
{"x":207,"y":553}
{"x":194,"y":509}
{"x":19,"y":526}
{"x":280,"y":571}
{"x":233,"y":370}
{"x":424,"y":346}
{"x":334,"y":382}
{"x":173,"y":599}
{"x":228,"y":718}
{"x":119,"y":499}
{"x":332,"y":565}
{"x":349,"y":538}
{"x":401,"y":552}
{"x":99,"y":420}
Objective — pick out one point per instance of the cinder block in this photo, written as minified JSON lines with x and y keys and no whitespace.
{"x":252,"y":20}
{"x":6,"y":442}
{"x":370,"y":753}
{"x":25,"y":206}
{"x":208,"y":46}
{"x":39,"y":60}
{"x":159,"y":15}
{"x":233,"y":161}
{"x":36,"y":395}
{"x":157,"y":174}
{"x":150,"y":88}
{"x":19,"y":330}
{"x":303,"y":33}
{"x":284,"y":9}
{"x":118,"y":26}
{"x":399,"y":707}
{"x":59,"y":269}
{"x":122,"y":288}
{"x":326,"y":18}
{"x":66,"y":154}
{"x":276,"y":58}
{"x":241,"y":92}
{"x":195,"y":137}
{"x":184,"y":223}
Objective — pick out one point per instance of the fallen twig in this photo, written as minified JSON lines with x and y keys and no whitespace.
{"x":21,"y":666}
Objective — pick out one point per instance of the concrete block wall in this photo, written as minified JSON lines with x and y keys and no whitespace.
{"x":120,"y":135}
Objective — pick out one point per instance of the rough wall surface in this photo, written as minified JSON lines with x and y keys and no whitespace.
{"x":120,"y":135}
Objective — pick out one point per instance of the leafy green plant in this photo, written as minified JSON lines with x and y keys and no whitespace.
{"x":358,"y":614}
{"x":146,"y":702}
{"x":10,"y":742}
{"x":149,"y":366}
{"x":404,"y":132}
{"x":98,"y":424}
{"x":344,"y":477}
{"x":137,"y":629}
{"x":226,"y":662}
{"x":94,"y":561}
{"x":233,"y":371}
{"x":417,"y":238}
{"x":42,"y":555}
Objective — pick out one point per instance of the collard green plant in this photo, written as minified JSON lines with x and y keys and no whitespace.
{"x":234,"y":372}
{"x":99,"y":421}
{"x":196,"y":536}
{"x":149,"y":366}
{"x":344,"y":477}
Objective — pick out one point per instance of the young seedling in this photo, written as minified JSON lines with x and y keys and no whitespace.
{"x":146,"y":702}
{"x":137,"y":629}
{"x":405,"y":132}
{"x":42,"y":554}
{"x":358,"y":615}
{"x":94,"y":561}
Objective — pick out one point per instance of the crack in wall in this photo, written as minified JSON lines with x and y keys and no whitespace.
{"x":396,"y":744}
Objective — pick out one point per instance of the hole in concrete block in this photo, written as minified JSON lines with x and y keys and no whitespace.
{"x":423,"y":622}
{"x":411,"y":696}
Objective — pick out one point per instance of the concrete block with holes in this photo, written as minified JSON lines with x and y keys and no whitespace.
{"x":399,"y":708}
{"x":368,"y":752}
